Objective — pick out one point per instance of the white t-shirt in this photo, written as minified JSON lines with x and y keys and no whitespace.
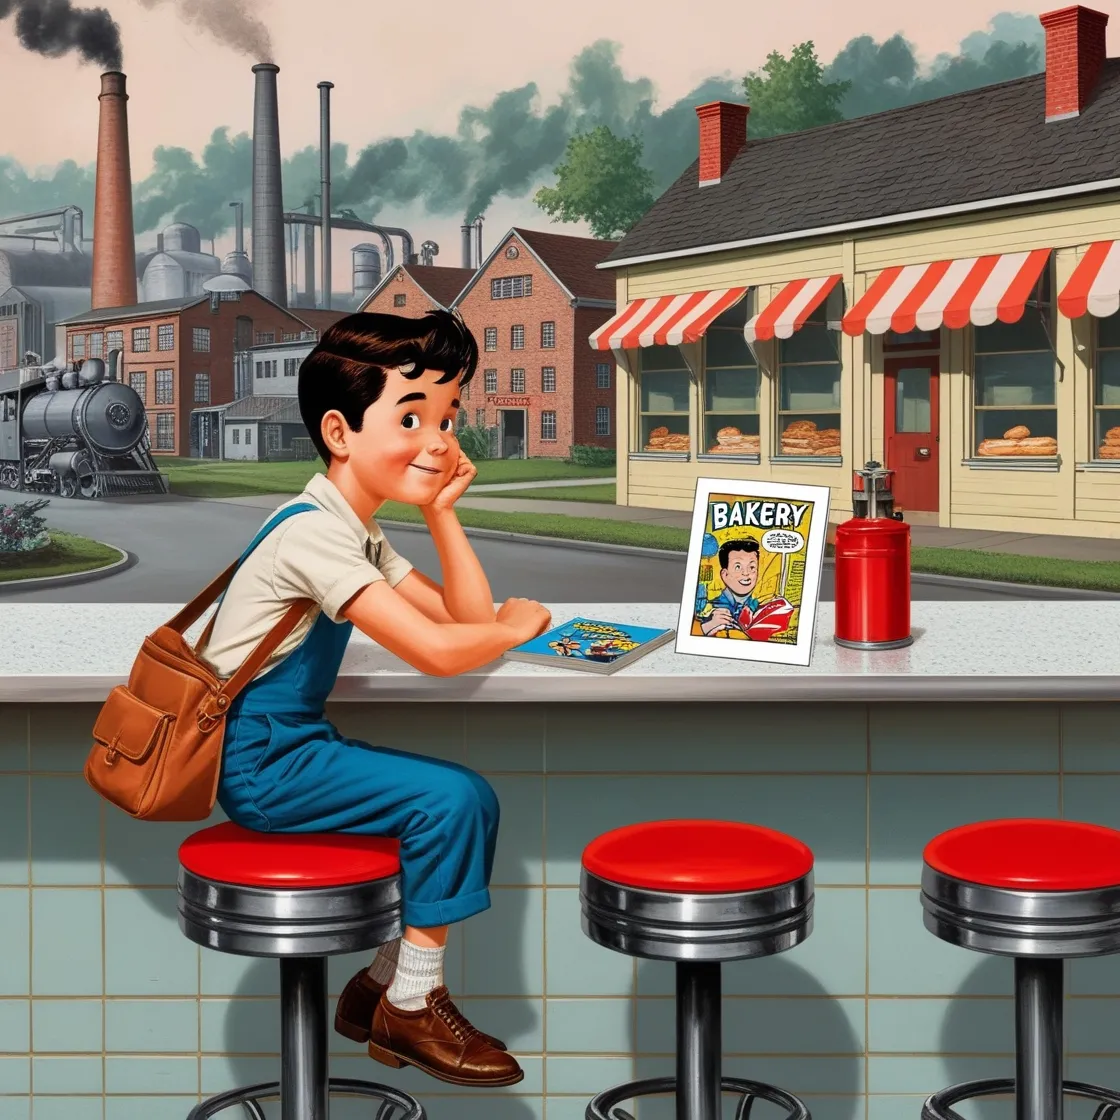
{"x":327,"y":555}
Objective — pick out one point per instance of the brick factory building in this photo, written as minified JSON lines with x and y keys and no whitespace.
{"x":178,"y":354}
{"x":532,"y":306}
{"x":412,"y":289}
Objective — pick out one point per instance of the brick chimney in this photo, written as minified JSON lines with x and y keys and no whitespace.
{"x":723,"y":132}
{"x":1075,"y":52}
{"x":114,"y":241}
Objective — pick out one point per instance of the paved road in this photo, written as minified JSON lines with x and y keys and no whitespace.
{"x":181,"y":542}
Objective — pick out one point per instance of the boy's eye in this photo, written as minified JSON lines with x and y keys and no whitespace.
{"x":411,"y":420}
{"x":445,"y":425}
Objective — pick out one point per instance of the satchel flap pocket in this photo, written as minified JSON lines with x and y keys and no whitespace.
{"x":129,"y":727}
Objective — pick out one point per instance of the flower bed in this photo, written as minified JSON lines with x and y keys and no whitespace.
{"x":23,"y":528}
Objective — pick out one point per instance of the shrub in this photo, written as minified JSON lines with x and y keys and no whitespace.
{"x":587,"y":455}
{"x":22,"y":528}
{"x":474,"y":441}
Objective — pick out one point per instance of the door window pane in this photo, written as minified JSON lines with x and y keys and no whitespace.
{"x":911,"y":401}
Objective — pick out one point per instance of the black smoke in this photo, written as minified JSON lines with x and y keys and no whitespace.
{"x":55,"y":27}
{"x":510,"y":146}
{"x":230,"y":22}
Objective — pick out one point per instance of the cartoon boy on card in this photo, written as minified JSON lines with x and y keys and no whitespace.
{"x":379,"y":395}
{"x":736,"y":607}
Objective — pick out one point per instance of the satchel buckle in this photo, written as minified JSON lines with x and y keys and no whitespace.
{"x":111,"y":752}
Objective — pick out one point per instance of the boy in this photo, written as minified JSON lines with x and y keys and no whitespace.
{"x":378,"y":395}
{"x":737,"y":607}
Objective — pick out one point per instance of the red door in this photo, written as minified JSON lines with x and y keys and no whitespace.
{"x":911,"y":430}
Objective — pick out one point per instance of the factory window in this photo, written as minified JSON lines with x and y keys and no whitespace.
{"x":511,"y":287}
{"x":480,"y":417}
{"x":548,"y":379}
{"x":291,"y":367}
{"x":602,"y":421}
{"x":602,"y":375}
{"x":248,"y":435}
{"x":517,"y":337}
{"x":398,"y":299}
{"x":808,"y":391}
{"x":491,"y":338}
{"x":237,"y":435}
{"x":97,"y":345}
{"x":141,"y":340}
{"x":200,"y":340}
{"x":548,"y":336}
{"x":490,"y":377}
{"x":229,"y":297}
{"x":165,"y":386}
{"x":114,"y":340}
{"x":165,"y":337}
{"x":517,"y":381}
{"x":138,"y":382}
{"x":265,"y":338}
{"x":731,"y":381}
{"x":202,"y":388}
{"x":663,"y":400}
{"x":165,"y":431}
{"x":548,"y":425}
{"x":1015,"y":383}
{"x":77,"y":346}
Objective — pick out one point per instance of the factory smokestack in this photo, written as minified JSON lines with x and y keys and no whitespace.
{"x":465,"y":230}
{"x":269,"y":272}
{"x":325,"y":183}
{"x":114,"y":238}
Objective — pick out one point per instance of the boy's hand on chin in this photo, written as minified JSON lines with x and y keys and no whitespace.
{"x":455,"y":487}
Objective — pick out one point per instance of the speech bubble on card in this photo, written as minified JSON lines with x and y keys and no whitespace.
{"x":783,"y":540}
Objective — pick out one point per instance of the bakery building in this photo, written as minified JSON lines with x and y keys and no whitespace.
{"x":532,"y":305}
{"x":935,"y":287}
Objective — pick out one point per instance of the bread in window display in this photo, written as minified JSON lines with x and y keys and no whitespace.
{"x":802,"y":437}
{"x":731,"y":441}
{"x":661,"y":439}
{"x":1110,"y":445}
{"x":1018,"y":441}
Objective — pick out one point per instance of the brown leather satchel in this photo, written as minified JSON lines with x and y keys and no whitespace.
{"x":157,"y":742}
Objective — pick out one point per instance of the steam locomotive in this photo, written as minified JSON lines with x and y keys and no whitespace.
{"x":76,"y":431}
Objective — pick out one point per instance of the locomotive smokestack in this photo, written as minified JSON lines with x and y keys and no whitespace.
{"x":114,"y":241}
{"x":269,"y":272}
{"x":325,"y":183}
{"x":465,"y":230}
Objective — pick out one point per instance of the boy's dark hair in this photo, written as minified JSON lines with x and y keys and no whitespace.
{"x":346,"y":370}
{"x":728,"y":547}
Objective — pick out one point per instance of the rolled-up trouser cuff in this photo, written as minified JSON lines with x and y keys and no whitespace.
{"x":425,"y":915}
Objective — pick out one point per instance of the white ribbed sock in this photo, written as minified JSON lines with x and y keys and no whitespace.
{"x":385,"y":963}
{"x":419,"y":970}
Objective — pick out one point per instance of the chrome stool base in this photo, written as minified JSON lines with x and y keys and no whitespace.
{"x":605,"y":1105}
{"x":940,"y":1105}
{"x":395,"y":1105}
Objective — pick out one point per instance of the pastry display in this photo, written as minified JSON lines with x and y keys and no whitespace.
{"x":731,"y":441}
{"x":1110,"y":446}
{"x":802,"y":437}
{"x":1019,"y":441}
{"x":661,"y":439}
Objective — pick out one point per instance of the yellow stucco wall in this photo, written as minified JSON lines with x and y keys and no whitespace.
{"x":1072,"y":500}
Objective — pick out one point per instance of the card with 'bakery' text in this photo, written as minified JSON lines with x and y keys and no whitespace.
{"x":754,"y":570}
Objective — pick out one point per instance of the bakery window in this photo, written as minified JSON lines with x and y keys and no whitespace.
{"x":663,"y":400}
{"x":731,"y":422}
{"x":1014,"y":409}
{"x":1106,"y":391}
{"x":809,"y":391}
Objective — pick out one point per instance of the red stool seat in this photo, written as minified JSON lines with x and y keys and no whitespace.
{"x":697,"y":857}
{"x":228,"y":853}
{"x":1029,"y":855}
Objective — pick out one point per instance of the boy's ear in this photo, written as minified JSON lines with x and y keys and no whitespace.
{"x":334,"y":431}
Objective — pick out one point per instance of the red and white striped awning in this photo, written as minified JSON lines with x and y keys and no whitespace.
{"x":977,"y":290}
{"x":664,"y":320}
{"x":1094,"y":286}
{"x":790,"y":308}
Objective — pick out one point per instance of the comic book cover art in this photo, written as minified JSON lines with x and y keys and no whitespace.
{"x":590,"y":645}
{"x":753,"y":573}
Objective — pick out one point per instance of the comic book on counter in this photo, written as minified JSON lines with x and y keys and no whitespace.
{"x":590,"y":645}
{"x":754,"y":568}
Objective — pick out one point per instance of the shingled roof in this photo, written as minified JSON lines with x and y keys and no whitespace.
{"x":442,"y":283}
{"x":572,"y":260}
{"x":977,"y":147}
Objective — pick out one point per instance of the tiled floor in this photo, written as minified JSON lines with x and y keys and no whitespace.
{"x":107,"y":1012}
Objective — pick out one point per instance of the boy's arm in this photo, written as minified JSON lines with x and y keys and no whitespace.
{"x":465,"y":593}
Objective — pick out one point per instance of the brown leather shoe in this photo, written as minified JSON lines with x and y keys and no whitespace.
{"x":359,"y":999}
{"x":439,"y":1040}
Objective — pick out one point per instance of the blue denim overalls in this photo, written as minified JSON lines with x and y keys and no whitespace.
{"x":285,"y":768}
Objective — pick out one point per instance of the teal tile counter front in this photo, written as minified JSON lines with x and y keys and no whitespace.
{"x":108,"y":1012}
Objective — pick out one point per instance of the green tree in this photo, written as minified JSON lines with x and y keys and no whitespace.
{"x":790,"y":94}
{"x":602,"y":181}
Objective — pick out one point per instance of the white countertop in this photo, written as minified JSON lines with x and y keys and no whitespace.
{"x":979,"y":651}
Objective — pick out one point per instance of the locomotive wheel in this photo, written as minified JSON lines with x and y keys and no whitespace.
{"x":88,"y":486}
{"x":9,"y":477}
{"x":68,"y":486}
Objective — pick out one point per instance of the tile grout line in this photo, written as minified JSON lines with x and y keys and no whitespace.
{"x":867,"y":921}
{"x":102,"y":840}
{"x":544,"y":912}
{"x":30,"y":935}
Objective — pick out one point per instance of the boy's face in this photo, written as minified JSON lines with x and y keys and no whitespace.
{"x":741,"y":573}
{"x":407,"y":450}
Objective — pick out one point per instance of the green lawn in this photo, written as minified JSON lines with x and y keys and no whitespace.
{"x":210,"y":478}
{"x":596,"y":493}
{"x":65,"y":555}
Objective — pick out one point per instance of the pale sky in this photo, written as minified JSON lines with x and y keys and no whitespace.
{"x":399,"y":67}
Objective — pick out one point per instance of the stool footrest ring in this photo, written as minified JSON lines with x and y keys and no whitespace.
{"x":940,"y":1105}
{"x":395,"y":1104}
{"x":605,"y":1105}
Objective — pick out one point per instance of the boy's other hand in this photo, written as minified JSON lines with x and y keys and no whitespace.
{"x":456,"y":485}
{"x":525,"y":617}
